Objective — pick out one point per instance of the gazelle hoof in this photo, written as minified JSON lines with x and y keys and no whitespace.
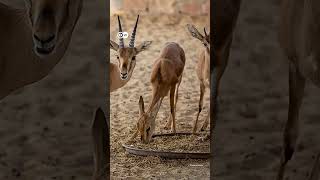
{"x":194,"y":131}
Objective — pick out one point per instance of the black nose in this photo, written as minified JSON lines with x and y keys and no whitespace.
{"x":124,"y":74}
{"x":44,"y":40}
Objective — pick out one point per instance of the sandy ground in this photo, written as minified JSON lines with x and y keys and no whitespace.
{"x":124,"y":102}
{"x":45,"y":128}
{"x":254,"y":103}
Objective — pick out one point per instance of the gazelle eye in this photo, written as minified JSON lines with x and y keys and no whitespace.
{"x":134,"y":58}
{"x":148,"y":129}
{"x":118,"y":57}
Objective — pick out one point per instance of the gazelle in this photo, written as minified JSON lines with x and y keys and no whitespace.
{"x":120,"y":74}
{"x":203,"y":71}
{"x":33,"y":40}
{"x":166,"y":76}
{"x":300,"y":40}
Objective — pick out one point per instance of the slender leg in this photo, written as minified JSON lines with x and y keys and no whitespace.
{"x":202,"y":91}
{"x":177,"y":93}
{"x":291,"y":131}
{"x":172,"y":110}
{"x":206,"y":122}
{"x":169,"y":121}
{"x":134,"y":135}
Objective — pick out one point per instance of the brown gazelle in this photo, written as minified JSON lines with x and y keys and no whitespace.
{"x":203,"y":71}
{"x":120,"y":74}
{"x":300,"y":39}
{"x":166,"y":76}
{"x":33,"y":40}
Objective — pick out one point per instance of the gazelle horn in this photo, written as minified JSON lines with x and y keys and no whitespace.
{"x":133,"y":35}
{"x":121,"y":42}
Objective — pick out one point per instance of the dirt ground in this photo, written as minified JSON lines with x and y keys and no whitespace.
{"x":45,"y":128}
{"x":124,"y":102}
{"x":254,"y":103}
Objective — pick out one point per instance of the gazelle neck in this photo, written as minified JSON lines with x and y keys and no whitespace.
{"x":207,"y":65}
{"x":19,"y":65}
{"x":154,"y":108}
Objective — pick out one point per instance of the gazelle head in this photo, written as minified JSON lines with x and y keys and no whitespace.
{"x":51,"y":23}
{"x":205,"y":39}
{"x":146,"y":121}
{"x":126,"y":56}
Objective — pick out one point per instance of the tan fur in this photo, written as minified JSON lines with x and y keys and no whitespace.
{"x":121,"y":73}
{"x":125,"y":64}
{"x":203,"y":72}
{"x":166,"y":76}
{"x":299,"y":37}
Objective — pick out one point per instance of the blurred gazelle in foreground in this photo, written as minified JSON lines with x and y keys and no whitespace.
{"x":300,"y":40}
{"x":120,"y":74}
{"x":34,"y":40}
{"x":166,"y":76}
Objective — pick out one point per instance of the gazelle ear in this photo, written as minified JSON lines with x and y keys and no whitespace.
{"x":100,"y":137}
{"x":143,"y":46}
{"x":194,"y":32}
{"x":141,"y":106}
{"x":114,"y":45}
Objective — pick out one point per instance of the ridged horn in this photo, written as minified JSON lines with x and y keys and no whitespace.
{"x":121,"y":42}
{"x":133,"y":35}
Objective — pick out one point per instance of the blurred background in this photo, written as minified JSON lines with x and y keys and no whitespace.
{"x":188,"y":7}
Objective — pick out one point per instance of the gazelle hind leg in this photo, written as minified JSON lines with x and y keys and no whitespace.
{"x":172,"y":108}
{"x":291,"y":131}
{"x":169,"y":121}
{"x":206,"y":122}
{"x":202,"y":91}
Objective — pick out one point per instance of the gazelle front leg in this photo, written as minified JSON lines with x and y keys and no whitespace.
{"x":134,"y":135}
{"x":172,"y":108}
{"x":169,"y":122}
{"x":172,"y":122}
{"x":291,"y":131}
{"x":202,"y":91}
